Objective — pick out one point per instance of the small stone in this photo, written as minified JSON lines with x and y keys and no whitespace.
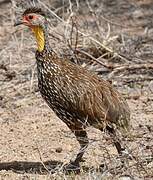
{"x":58,"y":150}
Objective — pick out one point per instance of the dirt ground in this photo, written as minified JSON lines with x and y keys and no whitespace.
{"x":34,"y":143}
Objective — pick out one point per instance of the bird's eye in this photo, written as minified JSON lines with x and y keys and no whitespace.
{"x":30,"y":17}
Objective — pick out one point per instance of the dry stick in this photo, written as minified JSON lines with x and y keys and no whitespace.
{"x":93,"y":58}
{"x":94,"y":15}
{"x":74,"y":26}
{"x":77,"y":36}
{"x":69,"y":41}
{"x":71,"y":33}
{"x":134,"y":80}
{"x":130,"y":67}
{"x":70,"y":6}
{"x":97,"y":21}
{"x":76,"y":40}
{"x":77,"y":3}
{"x":41,"y":160}
{"x":85,"y":35}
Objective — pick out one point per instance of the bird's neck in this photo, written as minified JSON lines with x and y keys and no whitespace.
{"x":41,"y":38}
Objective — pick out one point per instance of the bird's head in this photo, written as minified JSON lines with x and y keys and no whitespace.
{"x":32,"y":17}
{"x":35,"y":19}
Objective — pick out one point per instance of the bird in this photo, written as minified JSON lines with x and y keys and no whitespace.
{"x":79,"y":97}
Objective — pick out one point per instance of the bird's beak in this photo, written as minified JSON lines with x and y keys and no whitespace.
{"x":18,"y":22}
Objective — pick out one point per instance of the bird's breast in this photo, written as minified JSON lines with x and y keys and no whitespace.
{"x":47,"y":82}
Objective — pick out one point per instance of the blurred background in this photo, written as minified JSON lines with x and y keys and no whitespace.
{"x":114,"y":39}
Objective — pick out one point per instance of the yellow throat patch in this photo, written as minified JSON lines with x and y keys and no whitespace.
{"x":39,"y":34}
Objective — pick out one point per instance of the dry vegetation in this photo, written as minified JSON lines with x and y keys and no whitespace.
{"x":113,"y":38}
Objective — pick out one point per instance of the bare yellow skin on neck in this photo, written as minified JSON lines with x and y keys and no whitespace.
{"x":39,"y":35}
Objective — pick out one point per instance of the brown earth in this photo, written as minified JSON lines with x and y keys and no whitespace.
{"x":30,"y":132}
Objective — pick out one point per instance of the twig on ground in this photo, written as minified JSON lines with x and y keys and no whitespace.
{"x":130,"y":67}
{"x":41,"y":159}
{"x":94,"y":59}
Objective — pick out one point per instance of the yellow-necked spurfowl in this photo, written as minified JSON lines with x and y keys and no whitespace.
{"x":78,"y":97}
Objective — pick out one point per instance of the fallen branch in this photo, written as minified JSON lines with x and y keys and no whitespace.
{"x":129,"y":67}
{"x":94,"y":59}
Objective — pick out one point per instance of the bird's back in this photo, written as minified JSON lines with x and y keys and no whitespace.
{"x":79,"y":96}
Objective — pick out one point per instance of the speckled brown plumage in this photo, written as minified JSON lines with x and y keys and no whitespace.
{"x":79,"y":97}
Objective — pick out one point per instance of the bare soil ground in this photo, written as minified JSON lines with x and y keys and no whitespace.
{"x":34,"y":143}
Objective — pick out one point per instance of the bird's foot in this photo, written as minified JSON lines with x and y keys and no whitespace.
{"x":72,"y":167}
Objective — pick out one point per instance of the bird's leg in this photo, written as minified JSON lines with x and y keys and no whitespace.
{"x":122,"y":151}
{"x":82,"y":138}
{"x":116,"y":140}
